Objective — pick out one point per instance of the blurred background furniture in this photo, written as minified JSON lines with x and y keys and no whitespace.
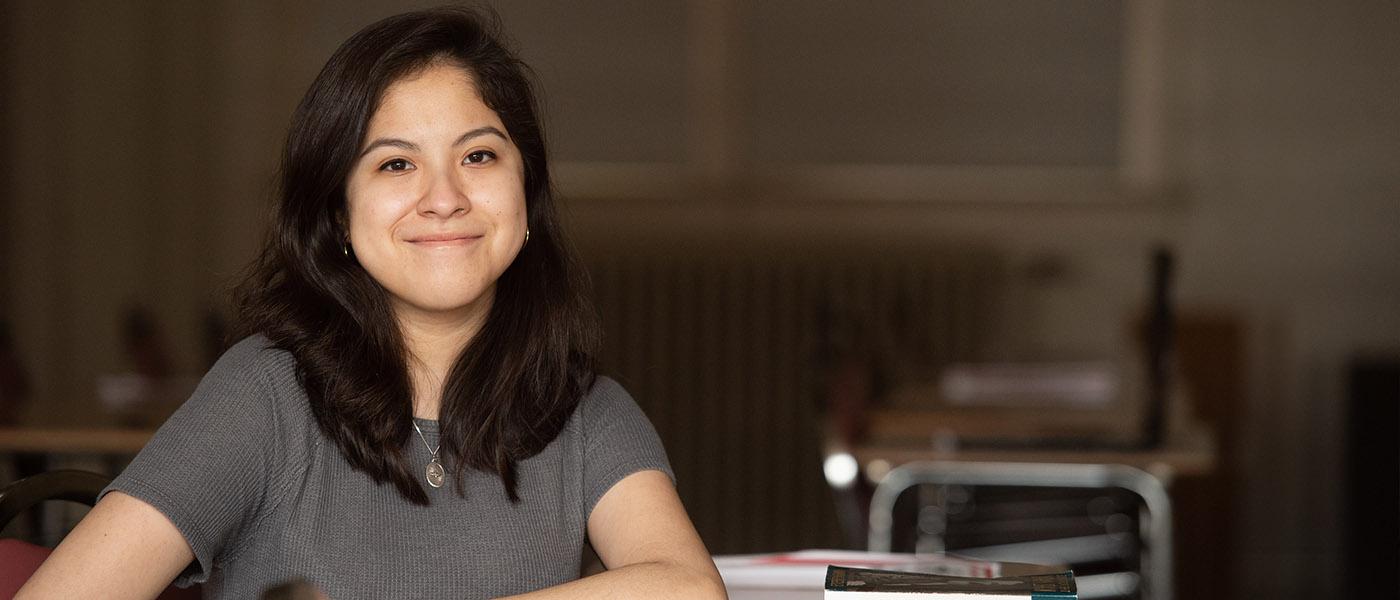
{"x":27,"y":453}
{"x":1372,"y":485}
{"x":20,"y":558}
{"x":1038,"y":486}
{"x":56,"y":441}
{"x":68,"y":484}
{"x":936,"y":519}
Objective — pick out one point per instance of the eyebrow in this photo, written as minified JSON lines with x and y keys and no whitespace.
{"x":412,"y":147}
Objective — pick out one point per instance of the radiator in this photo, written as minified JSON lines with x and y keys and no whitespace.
{"x":727,"y":353}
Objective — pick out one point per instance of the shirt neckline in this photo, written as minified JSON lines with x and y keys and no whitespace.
{"x":427,"y":425}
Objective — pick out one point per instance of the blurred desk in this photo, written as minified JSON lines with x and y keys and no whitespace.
{"x":1187,"y":452}
{"x":26,"y":451}
{"x":771,"y":594}
{"x":65,"y":441}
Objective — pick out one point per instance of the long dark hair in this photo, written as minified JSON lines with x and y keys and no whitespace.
{"x":515,"y":385}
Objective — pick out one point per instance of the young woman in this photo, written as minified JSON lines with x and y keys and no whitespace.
{"x":415,"y":413}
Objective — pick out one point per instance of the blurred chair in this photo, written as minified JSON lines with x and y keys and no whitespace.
{"x":66,"y":484}
{"x":1039,"y":544}
{"x":18,"y":558}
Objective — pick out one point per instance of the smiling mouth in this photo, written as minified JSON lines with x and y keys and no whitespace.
{"x":445,"y":239}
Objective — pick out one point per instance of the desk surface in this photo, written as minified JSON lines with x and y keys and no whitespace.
{"x":801,"y":575}
{"x":1187,"y":452}
{"x":107,"y":440}
{"x":766,"y":594}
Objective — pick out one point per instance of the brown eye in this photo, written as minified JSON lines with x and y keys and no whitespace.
{"x":396,"y":165}
{"x":480,"y":156}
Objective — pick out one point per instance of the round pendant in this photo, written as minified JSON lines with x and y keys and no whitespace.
{"x":436,"y":475}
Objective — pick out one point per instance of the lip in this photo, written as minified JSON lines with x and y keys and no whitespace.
{"x":444,"y":239}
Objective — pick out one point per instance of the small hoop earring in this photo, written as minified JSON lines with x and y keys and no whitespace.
{"x":345,"y":249}
{"x":527,"y":238}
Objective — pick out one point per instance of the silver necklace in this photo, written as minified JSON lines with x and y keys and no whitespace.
{"x":435,"y":474}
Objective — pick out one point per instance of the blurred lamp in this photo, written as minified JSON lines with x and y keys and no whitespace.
{"x":840,"y":469}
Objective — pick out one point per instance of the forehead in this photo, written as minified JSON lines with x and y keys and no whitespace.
{"x":441,"y":93}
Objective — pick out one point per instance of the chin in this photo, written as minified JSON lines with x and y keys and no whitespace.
{"x":465,"y":303}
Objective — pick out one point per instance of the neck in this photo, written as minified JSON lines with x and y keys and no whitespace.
{"x":433,"y":344}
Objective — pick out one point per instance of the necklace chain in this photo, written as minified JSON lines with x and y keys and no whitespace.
{"x":433,"y":472}
{"x":431,"y":450}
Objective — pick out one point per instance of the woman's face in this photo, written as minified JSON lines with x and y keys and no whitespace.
{"x":436,"y":200}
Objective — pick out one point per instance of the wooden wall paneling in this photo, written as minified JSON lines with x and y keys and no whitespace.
{"x":38,"y":290}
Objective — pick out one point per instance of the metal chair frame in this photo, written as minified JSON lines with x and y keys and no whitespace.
{"x":1157,"y":538}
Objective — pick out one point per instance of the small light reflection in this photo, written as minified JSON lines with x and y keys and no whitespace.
{"x":876,"y":470}
{"x":841,"y":470}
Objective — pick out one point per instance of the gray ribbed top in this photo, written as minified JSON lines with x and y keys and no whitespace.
{"x":262,"y":497}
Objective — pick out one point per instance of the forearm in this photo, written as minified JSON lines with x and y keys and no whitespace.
{"x":640,"y":580}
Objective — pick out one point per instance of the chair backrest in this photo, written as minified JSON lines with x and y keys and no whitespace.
{"x":65,"y":484}
{"x":19,"y":559}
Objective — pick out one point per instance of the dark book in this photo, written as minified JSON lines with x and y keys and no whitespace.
{"x":872,"y":584}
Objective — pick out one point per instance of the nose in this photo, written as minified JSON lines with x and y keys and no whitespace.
{"x":445,"y":196}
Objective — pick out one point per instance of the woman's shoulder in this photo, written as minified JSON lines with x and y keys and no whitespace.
{"x":256,"y":347}
{"x":618,"y":439}
{"x":253,"y":370}
{"x":605,"y":393}
{"x":255,"y":356}
{"x":606,"y":403}
{"x":604,"y":386}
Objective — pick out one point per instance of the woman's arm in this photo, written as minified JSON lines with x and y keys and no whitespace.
{"x":123,"y":548}
{"x":641,"y":532}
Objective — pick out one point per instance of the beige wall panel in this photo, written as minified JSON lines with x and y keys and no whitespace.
{"x":933,"y":82}
{"x":613,"y":75}
{"x":36,"y":230}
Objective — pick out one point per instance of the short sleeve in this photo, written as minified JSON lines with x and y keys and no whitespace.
{"x":207,"y":468}
{"x":618,"y":441}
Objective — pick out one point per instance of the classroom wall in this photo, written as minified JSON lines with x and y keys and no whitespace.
{"x":1291,"y":154}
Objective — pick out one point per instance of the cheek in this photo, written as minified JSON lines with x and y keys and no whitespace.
{"x":370,"y":214}
{"x":509,"y":204}
{"x":364,"y":219}
{"x":359,"y":230}
{"x":356,"y":209}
